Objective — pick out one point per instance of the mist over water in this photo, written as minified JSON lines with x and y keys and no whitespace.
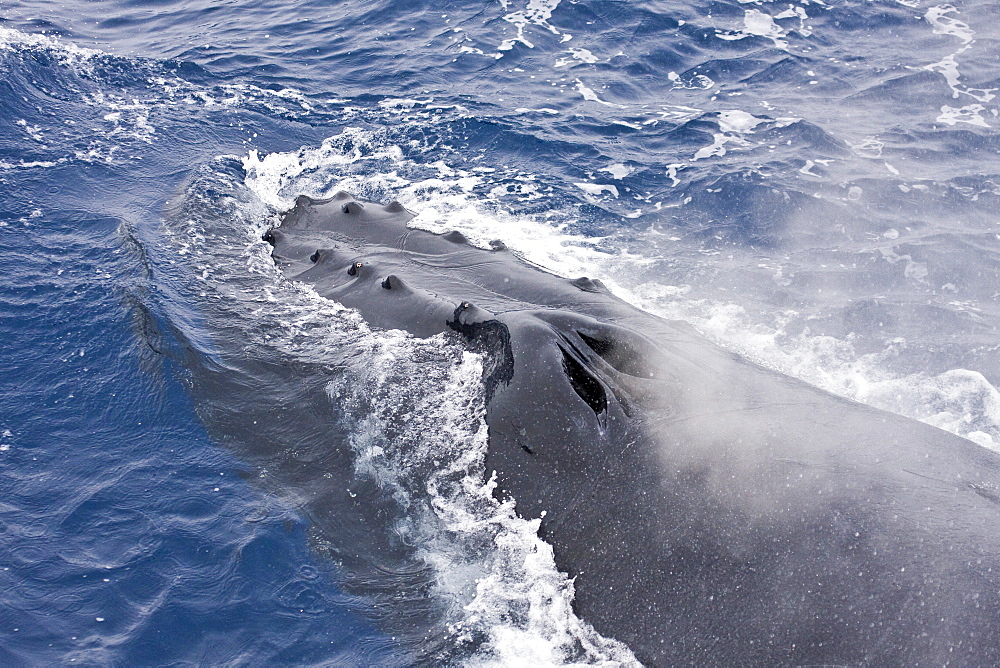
{"x":813,"y":185}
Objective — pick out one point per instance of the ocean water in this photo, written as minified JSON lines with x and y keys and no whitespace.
{"x":815,"y":185}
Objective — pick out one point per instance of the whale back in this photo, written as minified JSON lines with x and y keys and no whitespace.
{"x":709,"y":510}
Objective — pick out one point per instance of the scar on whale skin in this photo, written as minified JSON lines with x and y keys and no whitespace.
{"x":709,"y":511}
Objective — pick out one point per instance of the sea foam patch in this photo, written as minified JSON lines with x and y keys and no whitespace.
{"x":416,"y":412}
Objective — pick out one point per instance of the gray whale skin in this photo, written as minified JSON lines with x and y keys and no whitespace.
{"x":711,"y":511}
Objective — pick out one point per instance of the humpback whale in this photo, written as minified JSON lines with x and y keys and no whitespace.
{"x":709,"y":510}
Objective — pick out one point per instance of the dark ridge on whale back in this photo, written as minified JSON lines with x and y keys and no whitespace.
{"x":599,"y":346}
{"x":589,"y":388}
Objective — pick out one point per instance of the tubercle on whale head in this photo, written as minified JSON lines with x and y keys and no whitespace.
{"x":346,"y":214}
{"x":468,"y":314}
{"x":396,"y":284}
{"x":334,"y":264}
{"x":328,"y":255}
{"x":594,"y":285}
{"x":342,"y":208}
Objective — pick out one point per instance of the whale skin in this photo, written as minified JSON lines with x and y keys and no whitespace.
{"x":709,"y":510}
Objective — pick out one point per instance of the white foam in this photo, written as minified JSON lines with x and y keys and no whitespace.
{"x":717,"y":147}
{"x":535,"y":12}
{"x":948,"y":68}
{"x":735,"y":120}
{"x":498,"y":575}
{"x":33,"y":131}
{"x":971,"y":114}
{"x":465,"y":48}
{"x":589,"y":94}
{"x":943,"y":23}
{"x":617,"y":170}
{"x":597,"y":189}
{"x":30,"y":164}
{"x":672,"y":170}
{"x":404,"y":103}
{"x":868,"y":147}
{"x":734,"y":125}
{"x":540,"y":110}
{"x":578,"y":55}
{"x":278,"y":178}
{"x":807,"y":169}
{"x":694,"y":82}
{"x":948,"y":25}
{"x":67,"y":53}
{"x":800,"y":14}
{"x":756,"y":22}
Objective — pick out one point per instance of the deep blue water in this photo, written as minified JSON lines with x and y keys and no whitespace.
{"x":812,"y":184}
